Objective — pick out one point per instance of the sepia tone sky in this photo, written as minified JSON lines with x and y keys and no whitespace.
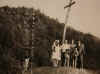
{"x":84,"y":16}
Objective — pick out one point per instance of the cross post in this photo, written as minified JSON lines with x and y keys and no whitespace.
{"x":66,"y":18}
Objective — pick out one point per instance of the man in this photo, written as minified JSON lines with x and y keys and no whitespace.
{"x":73,"y":45}
{"x":73,"y":53}
{"x":75,"y":57}
{"x":56,"y":53}
{"x":65,"y":53}
{"x":81,"y":52}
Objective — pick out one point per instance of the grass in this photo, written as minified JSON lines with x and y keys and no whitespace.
{"x":61,"y":70}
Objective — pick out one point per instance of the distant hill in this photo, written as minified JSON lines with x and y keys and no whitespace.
{"x":14,"y":36}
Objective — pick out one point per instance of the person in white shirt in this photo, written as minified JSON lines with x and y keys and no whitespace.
{"x":56,"y":53}
{"x":25,"y":65}
{"x":65,"y":53}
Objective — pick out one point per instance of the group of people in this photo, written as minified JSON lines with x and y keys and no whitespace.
{"x":67,"y":54}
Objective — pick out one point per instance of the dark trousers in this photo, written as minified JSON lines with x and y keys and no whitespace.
{"x":62,"y":58}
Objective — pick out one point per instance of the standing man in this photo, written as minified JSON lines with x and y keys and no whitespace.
{"x":75,"y":57}
{"x":65,"y":54}
{"x":74,"y":54}
{"x":81,"y":50}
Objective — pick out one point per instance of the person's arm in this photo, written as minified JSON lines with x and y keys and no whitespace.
{"x":53,"y":48}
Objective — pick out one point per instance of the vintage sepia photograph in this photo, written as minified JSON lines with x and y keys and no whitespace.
{"x":49,"y":36}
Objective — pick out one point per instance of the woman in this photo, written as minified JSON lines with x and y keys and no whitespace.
{"x":56,"y":53}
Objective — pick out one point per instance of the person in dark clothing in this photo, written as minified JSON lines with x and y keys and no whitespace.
{"x":81,"y":50}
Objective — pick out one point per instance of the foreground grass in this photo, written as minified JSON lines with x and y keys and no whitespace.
{"x":61,"y":70}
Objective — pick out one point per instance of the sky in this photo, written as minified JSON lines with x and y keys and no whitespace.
{"x":84,"y":15}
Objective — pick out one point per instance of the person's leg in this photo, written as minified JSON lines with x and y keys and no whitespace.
{"x":81,"y":61}
{"x":75,"y":61}
{"x":24,"y":70}
{"x":55,"y":63}
{"x":59,"y":63}
{"x":71,"y":61}
{"x":67,"y":60}
{"x":63,"y":59}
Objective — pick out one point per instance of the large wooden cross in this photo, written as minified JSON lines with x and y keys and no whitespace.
{"x":71,"y":2}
